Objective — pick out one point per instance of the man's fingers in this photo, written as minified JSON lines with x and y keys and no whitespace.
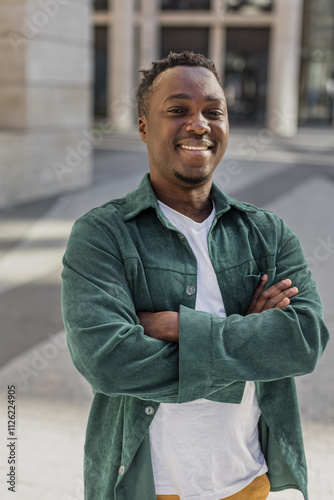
{"x":270,"y":297}
{"x":283,"y":304}
{"x":277,"y":288}
{"x":277,"y":296}
{"x":261,"y":298}
{"x":273,"y":302}
{"x":259,"y":289}
{"x":262,"y":283}
{"x":253,"y":306}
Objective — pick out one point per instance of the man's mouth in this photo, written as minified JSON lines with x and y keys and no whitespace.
{"x":195,"y":148}
{"x":202,"y":147}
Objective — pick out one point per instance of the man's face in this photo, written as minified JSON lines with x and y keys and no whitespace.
{"x":186,"y":128}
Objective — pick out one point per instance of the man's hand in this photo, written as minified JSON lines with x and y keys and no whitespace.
{"x":162,"y":325}
{"x":276,"y":297}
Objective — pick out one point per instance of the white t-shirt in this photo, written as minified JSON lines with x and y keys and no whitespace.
{"x":205,"y":450}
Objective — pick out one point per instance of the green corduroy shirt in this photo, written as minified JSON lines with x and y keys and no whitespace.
{"x":125,"y":257}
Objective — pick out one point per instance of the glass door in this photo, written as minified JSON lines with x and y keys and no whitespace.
{"x":246,"y":74}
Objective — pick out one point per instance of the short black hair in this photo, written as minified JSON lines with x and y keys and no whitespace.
{"x":186,"y":58}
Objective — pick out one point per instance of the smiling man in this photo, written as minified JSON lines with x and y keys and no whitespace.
{"x":182,"y":149}
{"x":190,"y":314}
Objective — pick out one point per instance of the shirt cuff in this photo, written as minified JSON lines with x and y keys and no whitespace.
{"x":195,"y":360}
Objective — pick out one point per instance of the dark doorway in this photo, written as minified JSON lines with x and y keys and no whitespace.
{"x":185,"y":5}
{"x":246,"y":74}
{"x":100,"y":72}
{"x":179,"y":39}
{"x":101,"y":4}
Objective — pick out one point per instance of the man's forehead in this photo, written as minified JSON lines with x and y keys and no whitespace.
{"x":177,"y":80}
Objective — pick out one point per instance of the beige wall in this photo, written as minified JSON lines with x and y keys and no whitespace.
{"x":284,"y":58}
{"x":45,"y":97}
{"x":46,"y":77}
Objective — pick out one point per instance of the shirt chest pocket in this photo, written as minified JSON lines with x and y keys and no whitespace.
{"x":251,"y":281}
{"x":155,"y":288}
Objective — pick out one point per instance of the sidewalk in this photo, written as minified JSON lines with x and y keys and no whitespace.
{"x":52,"y":399}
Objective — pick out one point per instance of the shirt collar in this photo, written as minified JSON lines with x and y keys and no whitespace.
{"x":143,"y":198}
{"x":223,"y":202}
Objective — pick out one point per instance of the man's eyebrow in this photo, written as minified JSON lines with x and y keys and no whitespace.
{"x":185,"y":96}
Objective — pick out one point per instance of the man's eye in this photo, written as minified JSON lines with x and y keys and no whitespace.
{"x":216,"y":112}
{"x":175,"y":110}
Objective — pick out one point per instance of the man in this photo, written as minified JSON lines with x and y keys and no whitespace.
{"x":180,"y":312}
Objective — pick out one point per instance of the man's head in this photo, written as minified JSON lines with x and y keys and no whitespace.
{"x":183,"y":120}
{"x":147,"y":84}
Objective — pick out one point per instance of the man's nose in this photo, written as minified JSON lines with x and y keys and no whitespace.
{"x":198,"y":124}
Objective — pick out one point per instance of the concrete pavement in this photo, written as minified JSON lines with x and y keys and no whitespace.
{"x":292,"y":177}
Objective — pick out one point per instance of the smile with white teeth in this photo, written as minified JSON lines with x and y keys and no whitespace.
{"x":194,"y":148}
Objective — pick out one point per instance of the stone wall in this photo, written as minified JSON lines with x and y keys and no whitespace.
{"x":45,"y":98}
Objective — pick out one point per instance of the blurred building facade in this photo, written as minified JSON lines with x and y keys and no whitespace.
{"x":45,"y":98}
{"x":275,"y":57}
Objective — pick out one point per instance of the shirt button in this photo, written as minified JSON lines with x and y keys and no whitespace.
{"x":181,"y":236}
{"x":190,"y":290}
{"x":149,"y":410}
{"x":121,"y":470}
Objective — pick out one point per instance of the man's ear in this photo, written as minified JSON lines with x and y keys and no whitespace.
{"x":142,"y":127}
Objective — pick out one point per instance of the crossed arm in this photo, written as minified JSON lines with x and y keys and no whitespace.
{"x":117,"y":355}
{"x":164,"y":325}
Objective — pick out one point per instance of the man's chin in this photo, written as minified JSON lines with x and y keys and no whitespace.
{"x":192,"y":181}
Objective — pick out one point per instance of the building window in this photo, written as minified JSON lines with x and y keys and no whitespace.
{"x":101,"y":71}
{"x":101,"y":4}
{"x":180,"y":39}
{"x":317,"y":65}
{"x":246,"y":69}
{"x":249,"y":6}
{"x":185,"y":4}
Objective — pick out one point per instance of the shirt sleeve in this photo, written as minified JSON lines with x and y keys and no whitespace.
{"x":268,"y":346}
{"x":106,"y":342}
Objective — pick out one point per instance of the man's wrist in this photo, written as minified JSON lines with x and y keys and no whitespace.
{"x":163,"y":325}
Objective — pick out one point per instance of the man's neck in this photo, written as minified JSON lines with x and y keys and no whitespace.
{"x":195,"y":203}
